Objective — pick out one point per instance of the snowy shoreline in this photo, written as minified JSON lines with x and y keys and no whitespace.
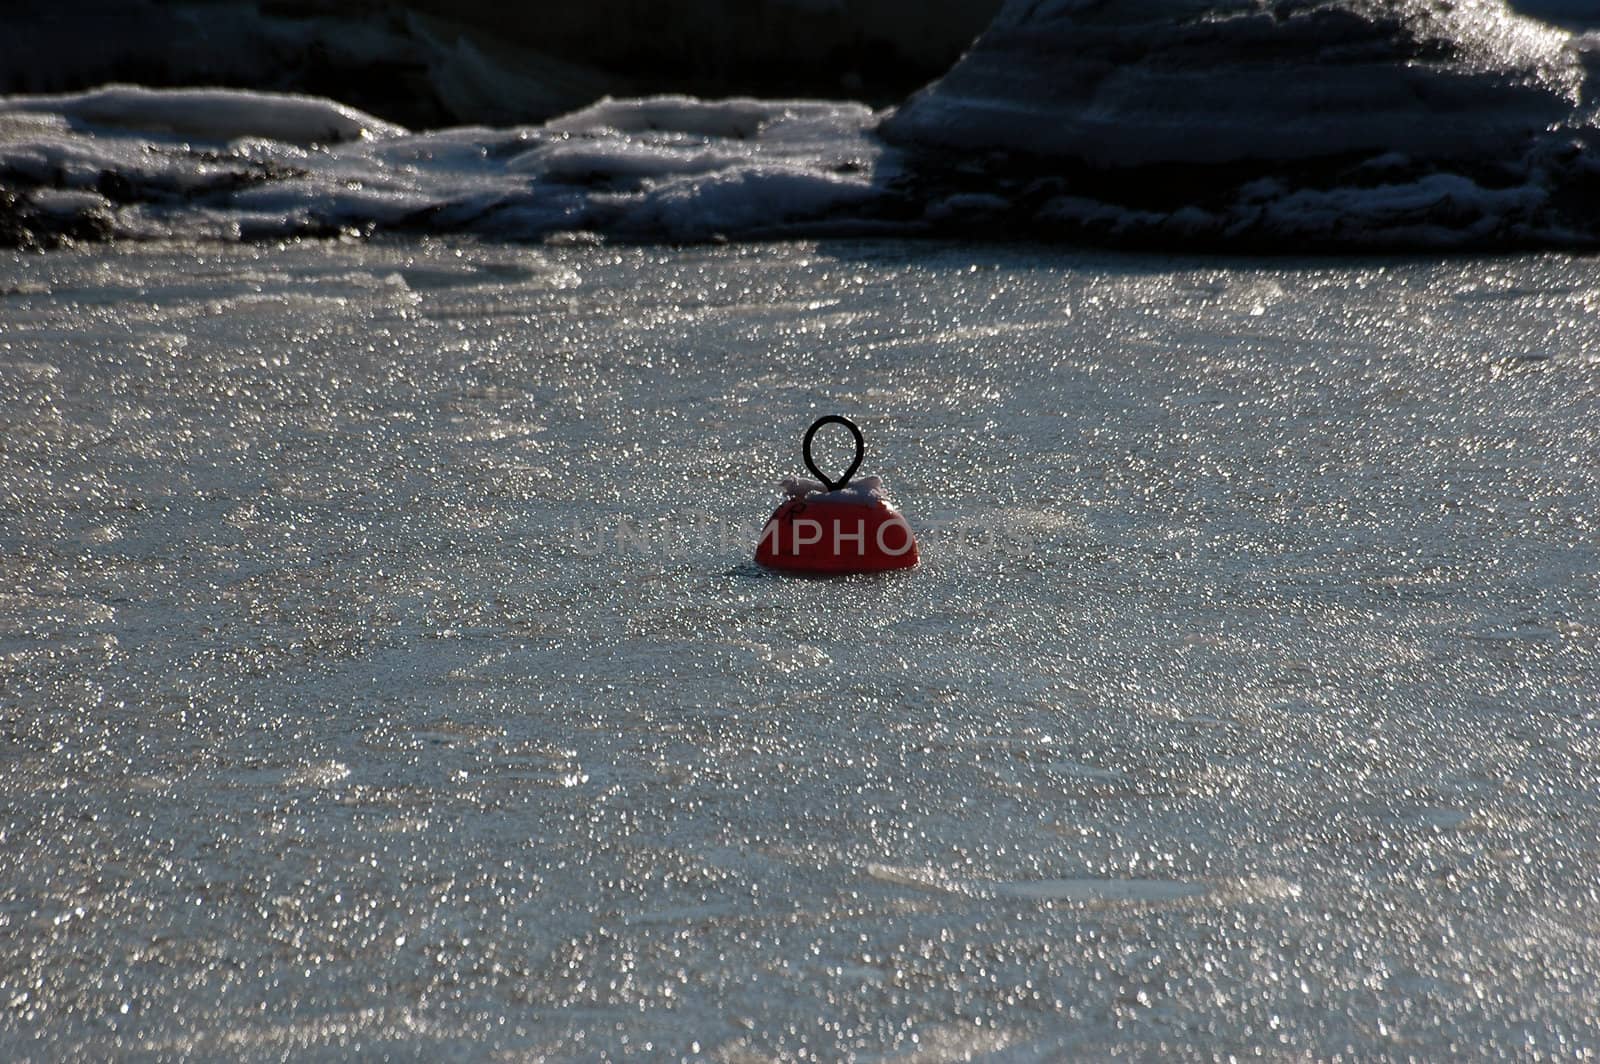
{"x":133,"y":164}
{"x":1129,"y":124}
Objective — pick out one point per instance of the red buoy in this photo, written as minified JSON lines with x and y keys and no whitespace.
{"x":834,"y":528}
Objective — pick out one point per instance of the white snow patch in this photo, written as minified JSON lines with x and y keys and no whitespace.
{"x":209,"y":114}
{"x":863,"y":491}
{"x":67,"y":201}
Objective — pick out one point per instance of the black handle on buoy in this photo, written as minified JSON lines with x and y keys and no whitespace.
{"x":861,"y":449}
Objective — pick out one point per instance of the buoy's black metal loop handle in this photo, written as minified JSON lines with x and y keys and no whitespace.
{"x":861,"y":449}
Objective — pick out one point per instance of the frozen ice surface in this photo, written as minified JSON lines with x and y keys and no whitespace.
{"x":374,"y":680}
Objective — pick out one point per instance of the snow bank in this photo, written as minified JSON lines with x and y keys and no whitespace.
{"x":260,"y":165}
{"x":1259,"y":124}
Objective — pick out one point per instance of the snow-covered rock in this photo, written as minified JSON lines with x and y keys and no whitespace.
{"x":1122,"y":83}
{"x":1264,"y":124}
